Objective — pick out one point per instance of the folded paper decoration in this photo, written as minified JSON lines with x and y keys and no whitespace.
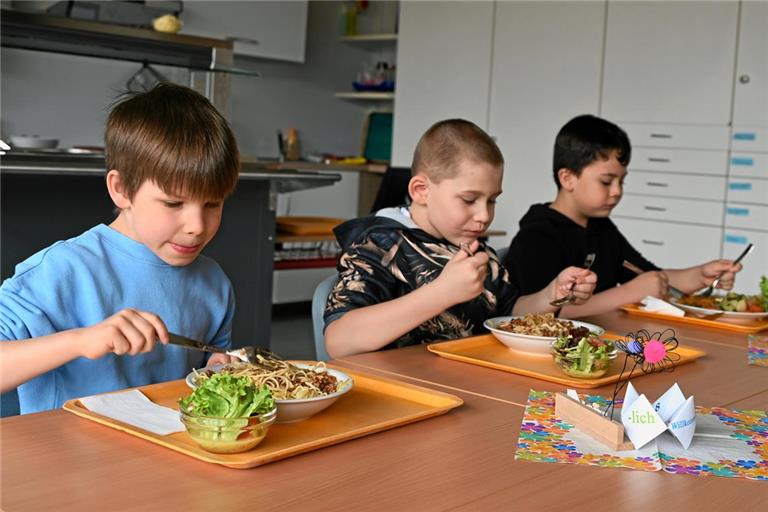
{"x":672,"y":411}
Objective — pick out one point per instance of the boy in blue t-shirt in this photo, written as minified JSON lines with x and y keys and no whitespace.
{"x":83,"y":316}
{"x":590,"y":162}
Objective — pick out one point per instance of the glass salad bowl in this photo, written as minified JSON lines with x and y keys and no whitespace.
{"x":228,"y":435}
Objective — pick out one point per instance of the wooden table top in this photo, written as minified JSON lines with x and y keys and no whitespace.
{"x":463,"y":460}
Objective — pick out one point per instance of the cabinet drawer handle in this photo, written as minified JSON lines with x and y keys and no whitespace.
{"x":662,"y":160}
{"x":656,"y":184}
{"x":653,"y":242}
{"x":661,"y":136}
{"x":656,"y":208}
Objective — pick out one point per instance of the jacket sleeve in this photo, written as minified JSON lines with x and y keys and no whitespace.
{"x":366,"y":277}
{"x":632,"y":255}
{"x":534,"y":260}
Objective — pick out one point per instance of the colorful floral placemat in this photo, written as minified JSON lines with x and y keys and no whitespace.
{"x":757,"y":350}
{"x":728,"y":443}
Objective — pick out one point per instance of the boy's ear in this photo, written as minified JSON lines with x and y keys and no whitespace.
{"x":115,"y":188}
{"x":418,"y":189}
{"x":567,"y":179}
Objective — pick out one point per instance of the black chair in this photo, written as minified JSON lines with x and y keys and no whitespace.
{"x":393,"y":190}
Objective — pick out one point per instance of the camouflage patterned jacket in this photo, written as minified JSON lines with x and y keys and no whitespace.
{"x":386,"y":256}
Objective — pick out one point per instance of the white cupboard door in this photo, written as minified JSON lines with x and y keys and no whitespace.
{"x":273,"y":30}
{"x":546,"y":70}
{"x":750,"y":104}
{"x":443,"y":69}
{"x":669,"y":62}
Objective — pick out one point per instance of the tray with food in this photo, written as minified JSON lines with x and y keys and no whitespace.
{"x":217,"y":433}
{"x":586,"y":360}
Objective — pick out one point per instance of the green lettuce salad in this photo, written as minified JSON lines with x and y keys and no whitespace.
{"x":227,"y":396}
{"x":583,"y":357}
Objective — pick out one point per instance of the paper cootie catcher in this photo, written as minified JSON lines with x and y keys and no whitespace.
{"x":644,"y":422}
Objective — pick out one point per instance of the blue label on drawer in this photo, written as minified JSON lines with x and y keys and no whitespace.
{"x":744,"y":136}
{"x":740,"y":186}
{"x":736,"y":239}
{"x":743,"y":160}
{"x":737,"y":211}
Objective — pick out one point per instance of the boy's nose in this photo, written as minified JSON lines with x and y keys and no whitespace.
{"x":194,"y":222}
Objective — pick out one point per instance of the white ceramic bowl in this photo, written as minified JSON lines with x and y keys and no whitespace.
{"x":33,"y":142}
{"x":526,"y":344}
{"x":292,"y":411}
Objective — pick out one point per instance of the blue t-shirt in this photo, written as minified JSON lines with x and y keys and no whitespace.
{"x":84,"y":280}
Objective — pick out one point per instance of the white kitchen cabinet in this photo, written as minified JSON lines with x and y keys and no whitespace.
{"x":269,"y":29}
{"x":670,"y":62}
{"x":443,"y":69}
{"x":755,"y":265}
{"x":546,"y":70}
{"x":672,"y":245}
{"x":750,"y":102}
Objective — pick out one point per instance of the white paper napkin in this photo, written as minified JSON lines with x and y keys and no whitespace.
{"x":134,"y":408}
{"x":659,"y":306}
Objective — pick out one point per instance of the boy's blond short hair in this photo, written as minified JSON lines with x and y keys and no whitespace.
{"x":175,"y":137}
{"x":447,"y":143}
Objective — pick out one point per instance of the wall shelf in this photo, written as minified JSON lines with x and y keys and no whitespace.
{"x":371,"y":96}
{"x":369,"y":38}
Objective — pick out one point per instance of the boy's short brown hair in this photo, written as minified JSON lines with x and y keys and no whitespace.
{"x":175,"y":137}
{"x":446,"y":143}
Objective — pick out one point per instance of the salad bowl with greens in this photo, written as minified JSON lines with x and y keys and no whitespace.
{"x":228,"y":414}
{"x":583,"y":356}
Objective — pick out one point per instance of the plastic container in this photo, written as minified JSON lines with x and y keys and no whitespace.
{"x":292,"y":150}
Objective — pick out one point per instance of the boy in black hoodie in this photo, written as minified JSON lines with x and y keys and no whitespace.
{"x":590,"y":163}
{"x":419,"y":273}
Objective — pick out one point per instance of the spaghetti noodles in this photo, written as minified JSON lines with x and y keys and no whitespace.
{"x":286,"y":381}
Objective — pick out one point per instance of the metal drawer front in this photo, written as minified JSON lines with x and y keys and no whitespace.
{"x":676,"y":185}
{"x":746,"y":216}
{"x":749,"y":138}
{"x":743,"y":190}
{"x":750,"y":165}
{"x":677,"y":136}
{"x":692,"y":161}
{"x":671,"y":210}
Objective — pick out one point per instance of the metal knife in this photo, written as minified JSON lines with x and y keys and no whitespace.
{"x":182,"y":341}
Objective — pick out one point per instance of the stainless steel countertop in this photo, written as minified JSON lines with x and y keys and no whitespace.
{"x":92,"y":164}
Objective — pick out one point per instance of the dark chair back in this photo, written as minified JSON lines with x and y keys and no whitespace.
{"x":394,"y":188}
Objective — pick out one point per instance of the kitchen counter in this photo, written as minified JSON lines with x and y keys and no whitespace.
{"x":51,"y":196}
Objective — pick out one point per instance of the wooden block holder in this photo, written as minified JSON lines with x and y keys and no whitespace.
{"x":591,"y":422}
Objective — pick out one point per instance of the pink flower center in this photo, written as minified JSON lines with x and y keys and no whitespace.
{"x":654,"y":351}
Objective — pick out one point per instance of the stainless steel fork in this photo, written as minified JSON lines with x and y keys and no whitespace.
{"x":709,"y":289}
{"x":588,"y":261}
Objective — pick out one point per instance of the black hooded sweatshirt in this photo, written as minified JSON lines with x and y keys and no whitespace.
{"x":548,"y":242}
{"x":386,"y":256}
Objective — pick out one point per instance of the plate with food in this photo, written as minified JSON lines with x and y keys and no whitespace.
{"x":534,"y":334}
{"x":730,"y":307}
{"x":301,"y":390}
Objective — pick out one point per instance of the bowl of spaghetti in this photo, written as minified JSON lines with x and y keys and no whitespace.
{"x":533,"y":335}
{"x":301,"y":390}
